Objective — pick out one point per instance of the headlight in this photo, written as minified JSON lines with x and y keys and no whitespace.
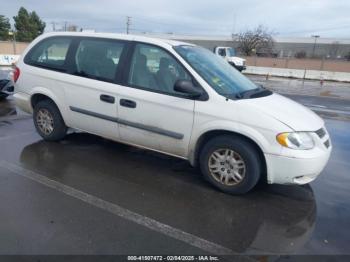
{"x":296,"y":140}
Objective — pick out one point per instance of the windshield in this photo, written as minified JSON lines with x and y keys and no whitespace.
{"x":231,"y":52}
{"x":219,"y":74}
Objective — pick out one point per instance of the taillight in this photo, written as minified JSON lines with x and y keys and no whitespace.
{"x":16,"y":74}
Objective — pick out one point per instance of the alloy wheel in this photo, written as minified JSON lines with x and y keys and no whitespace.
{"x":227,"y":167}
{"x":44,"y":121}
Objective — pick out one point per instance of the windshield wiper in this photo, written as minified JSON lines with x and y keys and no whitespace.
{"x":248,"y":93}
{"x":256,"y":92}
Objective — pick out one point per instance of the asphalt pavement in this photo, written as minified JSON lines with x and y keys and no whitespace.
{"x":295,"y":86}
{"x":89,"y":195}
{"x":328,"y":99}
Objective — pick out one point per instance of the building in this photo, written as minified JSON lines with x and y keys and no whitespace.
{"x":335,"y":48}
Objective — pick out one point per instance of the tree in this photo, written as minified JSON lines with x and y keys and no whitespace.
{"x":258,"y":40}
{"x":5,"y":27}
{"x":38,"y":24}
{"x":28,"y":25}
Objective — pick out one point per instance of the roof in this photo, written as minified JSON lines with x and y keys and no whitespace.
{"x":130,"y":37}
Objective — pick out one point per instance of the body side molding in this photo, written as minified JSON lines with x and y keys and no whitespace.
{"x":153,"y":129}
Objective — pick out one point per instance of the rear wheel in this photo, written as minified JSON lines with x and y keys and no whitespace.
{"x":231,"y":164}
{"x":48,"y":121}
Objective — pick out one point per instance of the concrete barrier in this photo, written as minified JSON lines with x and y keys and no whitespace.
{"x":299,"y":73}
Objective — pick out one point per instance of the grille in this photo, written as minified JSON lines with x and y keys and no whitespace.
{"x":321,"y":133}
{"x":327,"y":144}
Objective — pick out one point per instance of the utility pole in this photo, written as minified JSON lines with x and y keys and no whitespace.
{"x":128,"y":23}
{"x":234,"y":24}
{"x":13,"y":34}
{"x":65,"y":26}
{"x":313,"y":49}
{"x":53,"y":26}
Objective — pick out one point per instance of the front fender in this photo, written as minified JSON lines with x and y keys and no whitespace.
{"x":263,"y":138}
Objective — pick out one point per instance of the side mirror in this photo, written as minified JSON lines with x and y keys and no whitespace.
{"x":187,"y":87}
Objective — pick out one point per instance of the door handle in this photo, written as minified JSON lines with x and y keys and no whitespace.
{"x":127,"y":103}
{"x":107,"y":99}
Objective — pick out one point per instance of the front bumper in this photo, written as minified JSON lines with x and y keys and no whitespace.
{"x":286,"y":170}
{"x":299,"y":166}
{"x":238,"y":67}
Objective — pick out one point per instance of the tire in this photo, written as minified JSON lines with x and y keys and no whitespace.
{"x":48,"y":121}
{"x":3,"y":96}
{"x":234,"y":158}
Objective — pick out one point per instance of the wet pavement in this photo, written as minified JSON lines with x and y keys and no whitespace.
{"x":89,"y":195}
{"x":330,"y":89}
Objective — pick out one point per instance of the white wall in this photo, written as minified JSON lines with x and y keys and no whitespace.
{"x":299,"y":73}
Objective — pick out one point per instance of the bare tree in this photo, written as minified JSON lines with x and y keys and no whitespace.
{"x":258,"y":40}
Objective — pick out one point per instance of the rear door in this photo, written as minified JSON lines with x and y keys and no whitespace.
{"x":91,"y":90}
{"x":151,"y":113}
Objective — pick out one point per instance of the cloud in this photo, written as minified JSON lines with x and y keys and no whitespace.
{"x":220,"y":17}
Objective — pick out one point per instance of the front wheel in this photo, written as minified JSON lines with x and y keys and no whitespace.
{"x":231,"y":164}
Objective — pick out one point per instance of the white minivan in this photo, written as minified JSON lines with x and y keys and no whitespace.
{"x":174,"y":98}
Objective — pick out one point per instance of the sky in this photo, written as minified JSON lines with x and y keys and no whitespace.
{"x":286,"y":18}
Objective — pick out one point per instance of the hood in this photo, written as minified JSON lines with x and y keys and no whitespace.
{"x":292,"y":114}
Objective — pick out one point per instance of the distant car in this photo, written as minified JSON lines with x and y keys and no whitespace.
{"x":6,"y":84}
{"x":174,"y":98}
{"x":229,"y":54}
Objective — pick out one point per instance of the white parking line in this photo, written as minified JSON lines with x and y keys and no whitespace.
{"x":15,"y":136}
{"x":120,"y":211}
{"x":328,"y":110}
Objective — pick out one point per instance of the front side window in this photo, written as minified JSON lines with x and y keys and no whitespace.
{"x":155,"y":69}
{"x":219,"y":74}
{"x":50,"y":53}
{"x":98,"y":59}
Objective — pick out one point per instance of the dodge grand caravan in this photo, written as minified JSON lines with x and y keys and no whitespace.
{"x":174,"y":98}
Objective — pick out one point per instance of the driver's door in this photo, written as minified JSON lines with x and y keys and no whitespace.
{"x":151,"y":114}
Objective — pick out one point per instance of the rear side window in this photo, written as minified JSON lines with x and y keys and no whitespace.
{"x":98,"y":59}
{"x":50,"y":53}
